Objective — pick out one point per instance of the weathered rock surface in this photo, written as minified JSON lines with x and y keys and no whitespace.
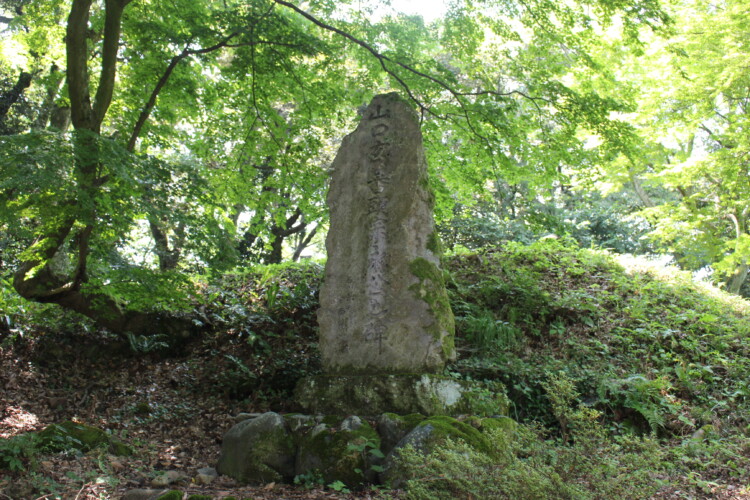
{"x":428,"y":434}
{"x":345,"y":449}
{"x":402,"y":394}
{"x":168,"y":478}
{"x":384,"y":308}
{"x":393,"y":428}
{"x":337,"y":452}
{"x":258,"y":450}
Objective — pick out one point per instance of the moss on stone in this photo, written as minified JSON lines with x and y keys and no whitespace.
{"x":118,"y":448}
{"x":71,"y":435}
{"x":506,"y":424}
{"x":275,"y":440}
{"x":400,"y":394}
{"x":258,"y":451}
{"x":434,"y":244}
{"x":448,"y":427}
{"x":332,"y":420}
{"x":337,"y":454}
{"x":412,"y":420}
{"x":171,"y":495}
{"x":431,"y":290}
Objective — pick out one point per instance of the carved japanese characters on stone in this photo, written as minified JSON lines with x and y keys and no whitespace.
{"x":384,"y":308}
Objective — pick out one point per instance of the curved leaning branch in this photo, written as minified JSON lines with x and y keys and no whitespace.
{"x":457,"y":95}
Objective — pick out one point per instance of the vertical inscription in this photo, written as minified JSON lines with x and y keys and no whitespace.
{"x":378,"y":178}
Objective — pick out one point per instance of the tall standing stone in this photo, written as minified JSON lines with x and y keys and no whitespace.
{"x":384,"y":308}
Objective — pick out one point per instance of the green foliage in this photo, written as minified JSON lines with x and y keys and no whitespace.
{"x":487,"y":334}
{"x":310,"y":480}
{"x":144,"y":344}
{"x":339,"y":486}
{"x":457,"y":470}
{"x":646,"y":348}
{"x":270,"y":311}
{"x":527,"y":465}
{"x":693,"y":93}
{"x":651,"y":400}
{"x":46,"y":162}
{"x":18,"y":453}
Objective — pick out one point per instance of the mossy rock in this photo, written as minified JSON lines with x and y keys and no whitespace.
{"x":119,"y":448}
{"x":258,"y":451}
{"x":506,"y":424}
{"x":426,"y":436}
{"x":448,"y":427}
{"x":431,"y":289}
{"x":200,"y":497}
{"x":393,"y":427}
{"x":72,"y":435}
{"x":338,"y":452}
{"x":402,"y":394}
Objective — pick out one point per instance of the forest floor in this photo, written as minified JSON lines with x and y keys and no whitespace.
{"x":170,"y":410}
{"x":657,"y":369}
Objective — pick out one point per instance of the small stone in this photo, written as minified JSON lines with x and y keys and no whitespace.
{"x":209,"y":471}
{"x":144,"y":494}
{"x":351,"y":423}
{"x":206,"y":475}
{"x":297,"y":422}
{"x":170,"y":477}
{"x":318,"y":429}
{"x":203,"y":479}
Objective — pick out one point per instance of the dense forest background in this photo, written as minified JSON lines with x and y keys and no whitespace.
{"x":163,"y":165}
{"x":147,"y":144}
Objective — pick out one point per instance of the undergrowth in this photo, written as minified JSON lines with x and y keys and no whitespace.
{"x":627,"y":383}
{"x":653,"y":353}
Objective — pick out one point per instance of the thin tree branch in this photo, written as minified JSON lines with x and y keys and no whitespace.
{"x":149,"y":107}
{"x":110,"y":47}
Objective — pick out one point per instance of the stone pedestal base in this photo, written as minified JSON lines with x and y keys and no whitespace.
{"x":402,"y":394}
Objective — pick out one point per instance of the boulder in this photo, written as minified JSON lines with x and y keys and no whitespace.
{"x":393,"y":428}
{"x":258,"y":451}
{"x":428,"y":434}
{"x":342,"y":451}
{"x":73,"y":435}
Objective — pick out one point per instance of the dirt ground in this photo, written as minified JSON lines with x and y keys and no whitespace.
{"x":171,"y":410}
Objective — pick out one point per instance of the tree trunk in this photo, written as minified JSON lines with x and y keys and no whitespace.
{"x":735,"y":282}
{"x":36,"y":279}
{"x":304,"y":242}
{"x":639,"y":191}
{"x":8,"y":99}
{"x":51,"y":113}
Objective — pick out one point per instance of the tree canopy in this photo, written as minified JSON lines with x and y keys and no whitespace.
{"x":144,"y":141}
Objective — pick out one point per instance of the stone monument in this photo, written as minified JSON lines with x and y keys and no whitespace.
{"x":386,"y":328}
{"x":385,"y":320}
{"x":383,"y":308}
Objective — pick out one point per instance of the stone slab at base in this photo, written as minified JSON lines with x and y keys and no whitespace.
{"x":402,"y":394}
